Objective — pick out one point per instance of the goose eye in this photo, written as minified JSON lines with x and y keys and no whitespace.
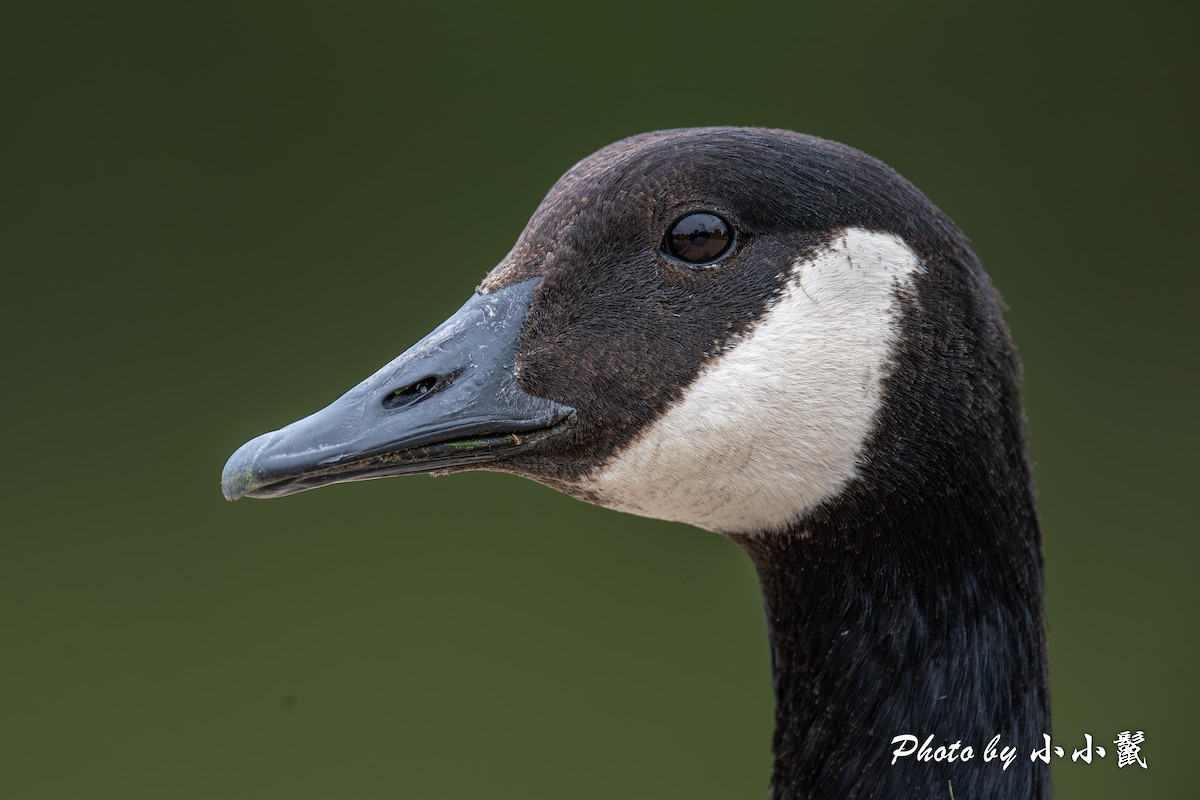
{"x":698,"y":238}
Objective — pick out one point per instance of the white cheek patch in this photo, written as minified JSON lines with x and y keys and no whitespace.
{"x":776,"y":424}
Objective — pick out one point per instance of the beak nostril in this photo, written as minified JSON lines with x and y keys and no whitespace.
{"x":407,"y":395}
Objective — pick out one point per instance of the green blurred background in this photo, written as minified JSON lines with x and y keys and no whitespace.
{"x":217,"y":217}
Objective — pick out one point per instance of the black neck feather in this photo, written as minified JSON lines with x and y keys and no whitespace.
{"x":924,"y":620}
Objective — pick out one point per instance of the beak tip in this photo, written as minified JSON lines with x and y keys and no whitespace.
{"x":235,"y":481}
{"x":231,"y":493}
{"x":237,"y":478}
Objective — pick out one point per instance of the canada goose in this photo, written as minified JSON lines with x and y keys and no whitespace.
{"x":777,"y":338}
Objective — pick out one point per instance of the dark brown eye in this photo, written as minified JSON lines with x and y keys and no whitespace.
{"x":698,"y":238}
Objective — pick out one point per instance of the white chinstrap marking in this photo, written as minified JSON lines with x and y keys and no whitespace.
{"x":776,"y":424}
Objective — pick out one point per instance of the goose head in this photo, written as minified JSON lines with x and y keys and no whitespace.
{"x":777,"y":338}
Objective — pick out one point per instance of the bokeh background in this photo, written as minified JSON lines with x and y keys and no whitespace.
{"x":216,"y":217}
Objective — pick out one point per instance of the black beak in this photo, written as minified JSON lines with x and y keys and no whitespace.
{"x":451,"y":400}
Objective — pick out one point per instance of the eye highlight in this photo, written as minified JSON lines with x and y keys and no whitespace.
{"x":698,"y":238}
